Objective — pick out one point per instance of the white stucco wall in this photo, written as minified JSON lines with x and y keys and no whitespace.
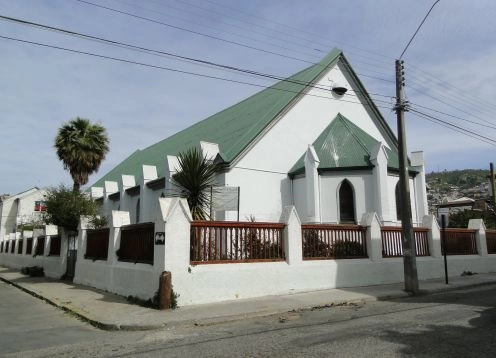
{"x":288,"y":139}
{"x":263,"y":194}
{"x":329,"y":194}
{"x":19,"y":211}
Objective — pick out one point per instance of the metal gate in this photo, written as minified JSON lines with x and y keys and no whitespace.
{"x":71,"y":256}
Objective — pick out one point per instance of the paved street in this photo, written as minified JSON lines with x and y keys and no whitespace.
{"x":453,"y":324}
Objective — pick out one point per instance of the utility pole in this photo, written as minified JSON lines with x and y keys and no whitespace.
{"x":491,"y":183}
{"x":408,"y":243}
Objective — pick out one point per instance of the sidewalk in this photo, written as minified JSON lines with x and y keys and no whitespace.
{"x":113,"y":312}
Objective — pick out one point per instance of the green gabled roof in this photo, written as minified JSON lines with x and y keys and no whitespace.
{"x":343,"y":145}
{"x":233,"y":129}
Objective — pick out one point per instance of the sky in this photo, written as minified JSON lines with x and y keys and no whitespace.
{"x":449,"y":70}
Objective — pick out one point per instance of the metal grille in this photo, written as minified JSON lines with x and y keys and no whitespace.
{"x":392,"y":241}
{"x":333,"y":242}
{"x":97,"y":242}
{"x":230,"y":242}
{"x":137,"y":243}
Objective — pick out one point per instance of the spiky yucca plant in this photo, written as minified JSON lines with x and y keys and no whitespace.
{"x":81,"y":146}
{"x":194,"y":178}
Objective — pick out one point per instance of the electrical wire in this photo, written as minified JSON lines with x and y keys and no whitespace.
{"x":211,"y":36}
{"x":166,"y":54}
{"x":418,"y":28}
{"x":445,"y":84}
{"x":298,"y":32}
{"x":453,"y":129}
{"x":447,"y":104}
{"x":453,"y":116}
{"x":172,"y":69}
{"x":458,"y":128}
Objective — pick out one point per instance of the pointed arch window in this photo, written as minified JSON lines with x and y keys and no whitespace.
{"x":346,"y":203}
{"x":397,"y":196}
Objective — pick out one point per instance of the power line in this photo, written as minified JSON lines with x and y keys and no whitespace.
{"x":448,"y":104}
{"x":477,"y":104}
{"x":173,"y":69}
{"x":418,"y":28}
{"x":286,"y":41}
{"x":163,"y":53}
{"x":211,"y":36}
{"x":299,"y":31}
{"x":453,"y":116}
{"x":459,"y":129}
{"x":446,"y":83}
{"x":254,"y":24}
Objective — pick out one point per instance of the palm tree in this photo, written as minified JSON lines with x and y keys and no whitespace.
{"x":195,"y":177}
{"x":81,"y":146}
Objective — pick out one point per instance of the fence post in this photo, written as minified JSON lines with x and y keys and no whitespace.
{"x":433,"y":235}
{"x":119,"y":219}
{"x":293,"y":246}
{"x":373,"y":236}
{"x":175,"y":219}
{"x":480,"y":235}
{"x":81,"y":240}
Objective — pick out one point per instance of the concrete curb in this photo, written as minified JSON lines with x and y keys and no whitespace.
{"x":236,"y":317}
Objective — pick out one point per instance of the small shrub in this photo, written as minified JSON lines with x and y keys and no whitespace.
{"x":173,"y":299}
{"x":149,"y":303}
{"x":33,"y":271}
{"x":347,"y":249}
{"x":313,"y":246}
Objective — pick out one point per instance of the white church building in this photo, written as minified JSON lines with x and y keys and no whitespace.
{"x":315,"y":140}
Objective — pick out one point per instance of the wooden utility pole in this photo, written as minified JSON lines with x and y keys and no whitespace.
{"x":491,"y":183}
{"x":409,"y":254}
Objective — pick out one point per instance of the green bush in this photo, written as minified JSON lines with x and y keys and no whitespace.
{"x":347,"y":249}
{"x":64,"y":207}
{"x":313,"y":246}
{"x":33,"y":271}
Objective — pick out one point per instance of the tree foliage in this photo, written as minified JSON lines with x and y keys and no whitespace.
{"x":64,"y":207}
{"x":194,"y":178}
{"x":461,"y":219}
{"x":81,"y":146}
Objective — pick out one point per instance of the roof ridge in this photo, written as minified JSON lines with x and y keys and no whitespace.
{"x":346,"y":124}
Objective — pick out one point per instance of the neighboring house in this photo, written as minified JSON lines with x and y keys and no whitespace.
{"x":315,"y":140}
{"x":22,"y":208}
{"x":450,"y":207}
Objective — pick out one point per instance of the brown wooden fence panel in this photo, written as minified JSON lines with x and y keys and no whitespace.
{"x":54,"y":246}
{"x":97,"y":242}
{"x":322,"y":242}
{"x":231,"y":242}
{"x":29,"y":246}
{"x":491,"y":241}
{"x":459,"y":242}
{"x":393,"y":247}
{"x":137,"y":243}
{"x":40,"y":246}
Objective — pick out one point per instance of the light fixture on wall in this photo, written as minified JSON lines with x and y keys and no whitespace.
{"x":338,"y":89}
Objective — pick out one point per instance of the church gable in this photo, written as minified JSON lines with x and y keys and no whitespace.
{"x":344,"y":145}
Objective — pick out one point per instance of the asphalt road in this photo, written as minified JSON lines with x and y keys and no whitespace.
{"x":455,"y":324}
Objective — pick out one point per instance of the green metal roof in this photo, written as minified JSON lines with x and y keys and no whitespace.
{"x":233,"y":129}
{"x":343,"y":145}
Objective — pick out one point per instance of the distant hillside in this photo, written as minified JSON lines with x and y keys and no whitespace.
{"x":472,"y":183}
{"x":463,"y":179}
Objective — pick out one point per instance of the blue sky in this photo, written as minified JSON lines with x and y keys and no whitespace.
{"x":449,"y":68}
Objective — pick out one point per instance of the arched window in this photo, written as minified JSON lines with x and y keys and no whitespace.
{"x":138,"y":212}
{"x":346,"y":202}
{"x":397,"y":196}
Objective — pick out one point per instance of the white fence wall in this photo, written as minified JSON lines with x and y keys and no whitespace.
{"x":206,"y":283}
{"x":53,"y":266}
